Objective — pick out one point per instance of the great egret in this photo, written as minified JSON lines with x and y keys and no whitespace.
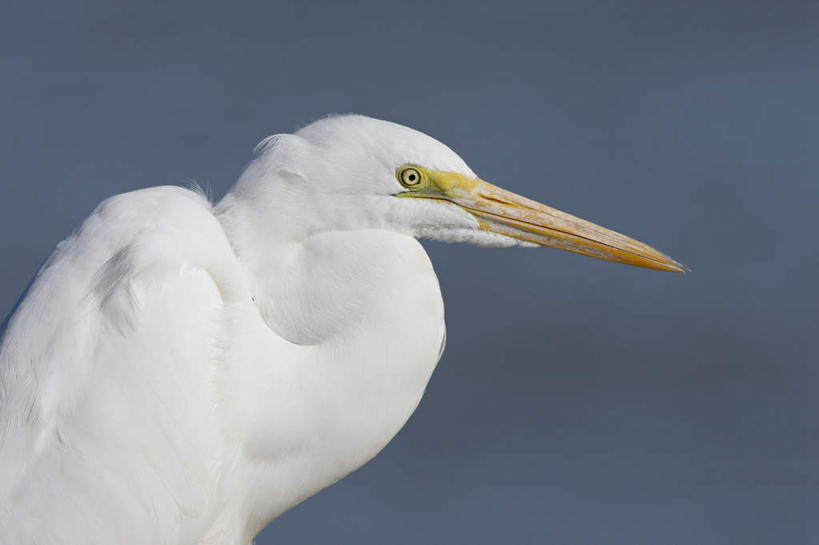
{"x":182,"y":373}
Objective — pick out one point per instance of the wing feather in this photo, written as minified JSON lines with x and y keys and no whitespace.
{"x":105,"y":363}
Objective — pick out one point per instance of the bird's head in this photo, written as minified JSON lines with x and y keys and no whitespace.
{"x":354,"y":172}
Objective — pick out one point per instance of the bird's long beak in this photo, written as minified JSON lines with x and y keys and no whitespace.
{"x":501,"y":211}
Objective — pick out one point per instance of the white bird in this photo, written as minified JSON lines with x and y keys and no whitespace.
{"x":181,"y":373}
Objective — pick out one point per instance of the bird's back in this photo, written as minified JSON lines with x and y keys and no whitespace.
{"x":109,"y":389}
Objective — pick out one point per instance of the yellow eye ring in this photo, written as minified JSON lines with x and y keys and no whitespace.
{"x":409,"y":177}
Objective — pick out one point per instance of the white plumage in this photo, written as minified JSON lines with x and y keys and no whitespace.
{"x":182,"y":373}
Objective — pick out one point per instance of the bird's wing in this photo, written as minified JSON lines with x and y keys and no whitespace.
{"x":106,"y":371}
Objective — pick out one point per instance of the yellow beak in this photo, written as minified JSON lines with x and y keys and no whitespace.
{"x":501,"y":211}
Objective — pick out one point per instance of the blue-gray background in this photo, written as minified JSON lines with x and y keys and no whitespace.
{"x":578,"y":402}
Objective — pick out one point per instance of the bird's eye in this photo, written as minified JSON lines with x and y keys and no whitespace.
{"x":410,"y":177}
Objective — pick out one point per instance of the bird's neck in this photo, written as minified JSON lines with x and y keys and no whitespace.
{"x":358,"y":324}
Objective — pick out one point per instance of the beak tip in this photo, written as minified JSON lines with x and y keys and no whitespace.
{"x":678,"y":267}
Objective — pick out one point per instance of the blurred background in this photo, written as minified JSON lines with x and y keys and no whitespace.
{"x":578,"y":402}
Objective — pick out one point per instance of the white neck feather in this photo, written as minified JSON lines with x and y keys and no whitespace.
{"x":345,"y":308}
